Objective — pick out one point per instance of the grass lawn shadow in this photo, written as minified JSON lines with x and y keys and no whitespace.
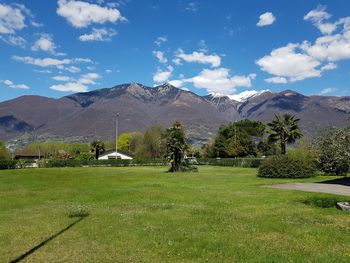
{"x":341,"y":181}
{"x":32,"y":250}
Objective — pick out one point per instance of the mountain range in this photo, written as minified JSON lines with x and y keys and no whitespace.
{"x":92,"y":114}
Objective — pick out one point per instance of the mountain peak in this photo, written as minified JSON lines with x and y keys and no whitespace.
{"x":240,"y":97}
{"x":290,"y":93}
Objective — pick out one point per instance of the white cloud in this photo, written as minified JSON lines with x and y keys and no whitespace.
{"x":326,"y":91}
{"x":276,"y":80}
{"x":199,"y":57}
{"x":42,"y":71}
{"x":62,"y":64}
{"x":266,"y":19}
{"x":287,"y":63}
{"x":79,"y":85}
{"x":83,"y":60}
{"x":89,"y":78}
{"x":176,"y":83}
{"x":329,"y":66}
{"x":42,"y":62}
{"x":299,"y":61}
{"x":160,"y":40}
{"x":163,"y":76}
{"x":72,"y":69}
{"x":12,"y":19}
{"x":70,"y":86}
{"x":102,"y":34}
{"x":331,"y":47}
{"x":160,"y":56}
{"x":82,"y":14}
{"x":62,"y":78}
{"x":219,"y":81}
{"x":10,"y":84}
{"x":108,"y":71}
{"x":177,"y":61}
{"x":14,"y":40}
{"x":44,"y":43}
{"x":192,"y":7}
{"x":317,"y":16}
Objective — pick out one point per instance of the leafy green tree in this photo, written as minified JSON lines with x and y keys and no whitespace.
{"x":176,"y":144}
{"x":153,"y":143}
{"x":237,"y":139}
{"x":97,"y":147}
{"x":284,"y":129}
{"x":334,"y":151}
{"x":124,"y":142}
{"x":52,"y":149}
{"x":267,"y":148}
{"x":135,"y":142}
{"x":4,"y":153}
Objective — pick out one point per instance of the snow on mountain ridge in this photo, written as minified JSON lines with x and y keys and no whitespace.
{"x":241,"y":97}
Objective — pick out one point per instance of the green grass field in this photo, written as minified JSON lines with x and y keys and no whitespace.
{"x":144,"y":214}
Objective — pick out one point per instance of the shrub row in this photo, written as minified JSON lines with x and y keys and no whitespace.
{"x":233,"y":162}
{"x":285,"y":166}
{"x":112,"y":163}
{"x":7,"y":164}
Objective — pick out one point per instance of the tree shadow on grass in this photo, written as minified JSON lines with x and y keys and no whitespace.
{"x":32,"y":250}
{"x":341,"y":181}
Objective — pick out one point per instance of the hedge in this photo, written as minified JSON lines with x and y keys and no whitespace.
{"x":112,"y":163}
{"x":7,"y":164}
{"x":237,"y":162}
{"x":284,"y":166}
{"x":233,"y":162}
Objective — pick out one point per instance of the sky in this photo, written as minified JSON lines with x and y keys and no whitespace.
{"x":55,"y":48}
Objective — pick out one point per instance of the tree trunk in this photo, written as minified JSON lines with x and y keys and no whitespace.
{"x":97,"y":153}
{"x":283,"y":147}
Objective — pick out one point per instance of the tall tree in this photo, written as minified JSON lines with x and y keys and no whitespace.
{"x":153,"y":143}
{"x":124,"y":142}
{"x":284,"y":129}
{"x":4,"y":153}
{"x":97,"y":146}
{"x":237,"y":139}
{"x":176,"y":144}
{"x":334,"y":151}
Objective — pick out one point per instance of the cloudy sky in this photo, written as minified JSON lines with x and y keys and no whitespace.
{"x":58,"y":47}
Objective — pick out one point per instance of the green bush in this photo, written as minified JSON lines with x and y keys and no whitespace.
{"x":78,"y":211}
{"x":286,"y":166}
{"x":85,"y":156}
{"x":7,"y":164}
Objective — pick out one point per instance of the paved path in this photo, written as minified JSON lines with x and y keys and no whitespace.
{"x":315,"y":187}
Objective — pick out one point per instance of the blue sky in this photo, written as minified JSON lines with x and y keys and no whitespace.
{"x":58,"y":47}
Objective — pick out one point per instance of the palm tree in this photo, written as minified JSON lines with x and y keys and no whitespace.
{"x":176,"y":145}
{"x":284,"y":129}
{"x":97,"y":146}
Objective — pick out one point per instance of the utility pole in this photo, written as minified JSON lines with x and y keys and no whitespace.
{"x":116,"y":136}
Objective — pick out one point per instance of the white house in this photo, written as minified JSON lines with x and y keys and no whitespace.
{"x":111,"y":154}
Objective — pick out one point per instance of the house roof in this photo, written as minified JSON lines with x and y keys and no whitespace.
{"x":107,"y":152}
{"x":27,"y":156}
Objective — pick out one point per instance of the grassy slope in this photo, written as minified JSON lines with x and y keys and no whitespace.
{"x":144,"y":214}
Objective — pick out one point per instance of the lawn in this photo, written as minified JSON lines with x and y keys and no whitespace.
{"x":144,"y":214}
